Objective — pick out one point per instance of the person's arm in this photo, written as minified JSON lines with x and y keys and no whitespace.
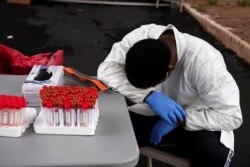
{"x":112,"y":72}
{"x":219,"y":92}
{"x":165,"y":107}
{"x":160,"y":129}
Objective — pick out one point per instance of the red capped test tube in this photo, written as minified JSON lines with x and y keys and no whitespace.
{"x":61,"y":115}
{"x":79,"y":105}
{"x":49,"y":113}
{"x":11,"y":111}
{"x":56,"y":114}
{"x":18,"y":112}
{"x":1,"y":112}
{"x":6,"y":109}
{"x":84,"y":117}
{"x":74,"y":113}
{"x":67,"y":113}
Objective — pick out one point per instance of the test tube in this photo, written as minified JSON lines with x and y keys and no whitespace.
{"x":56,"y":115}
{"x":17,"y":114}
{"x":67,"y":114}
{"x":92,"y":115}
{"x":1,"y":113}
{"x":49,"y":112}
{"x":6,"y":112}
{"x":84,"y":115}
{"x":79,"y":105}
{"x":73,"y":113}
{"x":11,"y":112}
{"x":61,"y":115}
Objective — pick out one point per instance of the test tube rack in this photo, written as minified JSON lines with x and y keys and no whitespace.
{"x":15,"y":117}
{"x":68,"y":110}
{"x":17,"y":131}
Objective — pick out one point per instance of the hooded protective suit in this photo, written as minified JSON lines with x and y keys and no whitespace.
{"x":200,"y":82}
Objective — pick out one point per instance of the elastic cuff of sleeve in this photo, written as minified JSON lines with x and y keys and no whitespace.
{"x":144,"y":100}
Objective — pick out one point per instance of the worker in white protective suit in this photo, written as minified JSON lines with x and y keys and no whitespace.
{"x":184,"y":80}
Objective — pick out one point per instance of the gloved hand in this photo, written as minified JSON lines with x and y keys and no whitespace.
{"x":160,"y":129}
{"x":166,"y":108}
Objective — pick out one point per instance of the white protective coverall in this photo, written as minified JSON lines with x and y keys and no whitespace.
{"x":200,"y":82}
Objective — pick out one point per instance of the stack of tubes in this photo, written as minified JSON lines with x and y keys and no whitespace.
{"x":12,"y":110}
{"x":69,"y":106}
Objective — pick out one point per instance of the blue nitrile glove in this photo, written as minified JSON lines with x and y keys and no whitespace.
{"x":166,"y":108}
{"x":160,"y":129}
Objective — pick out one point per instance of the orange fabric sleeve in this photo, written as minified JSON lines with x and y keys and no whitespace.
{"x":98,"y":83}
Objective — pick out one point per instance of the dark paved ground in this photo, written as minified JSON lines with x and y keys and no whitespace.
{"x":87,"y":32}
